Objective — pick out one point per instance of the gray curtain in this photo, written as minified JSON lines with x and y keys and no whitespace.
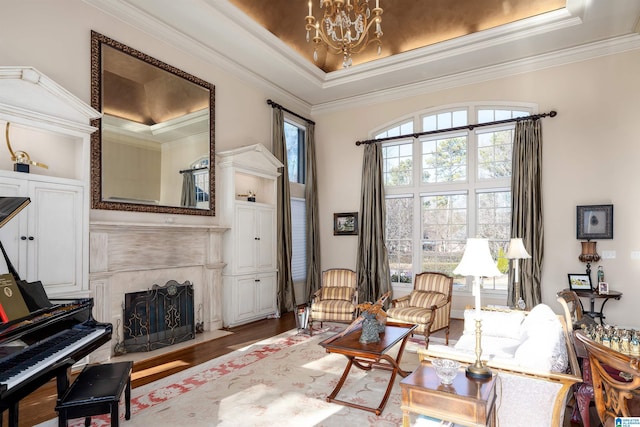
{"x":314,"y":274}
{"x":188,"y":197}
{"x":526,"y":208}
{"x":372,"y":261}
{"x":285,"y":296}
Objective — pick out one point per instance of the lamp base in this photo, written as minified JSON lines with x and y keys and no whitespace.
{"x":475,"y":372}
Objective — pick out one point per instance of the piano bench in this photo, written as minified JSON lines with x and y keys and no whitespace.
{"x":96,"y":391}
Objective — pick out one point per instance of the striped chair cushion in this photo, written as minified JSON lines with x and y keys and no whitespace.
{"x":415,"y":315}
{"x":332,"y":307}
{"x":336,"y":293}
{"x":427,"y":299}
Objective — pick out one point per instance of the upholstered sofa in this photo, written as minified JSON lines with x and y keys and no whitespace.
{"x":533,"y":355}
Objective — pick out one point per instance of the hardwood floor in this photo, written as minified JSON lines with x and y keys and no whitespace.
{"x":40,"y":405}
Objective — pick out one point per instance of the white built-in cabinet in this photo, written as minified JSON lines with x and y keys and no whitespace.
{"x":249,"y":278}
{"x":49,"y":239}
{"x":44,"y":241}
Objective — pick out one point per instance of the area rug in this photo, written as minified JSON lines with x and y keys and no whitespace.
{"x":280,"y":381}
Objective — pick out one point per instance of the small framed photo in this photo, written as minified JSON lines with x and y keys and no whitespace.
{"x":345,"y":224}
{"x":594,"y":222}
{"x":603,"y":288}
{"x":580,"y":282}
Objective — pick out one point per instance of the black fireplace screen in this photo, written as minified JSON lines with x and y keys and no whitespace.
{"x":159,"y":317}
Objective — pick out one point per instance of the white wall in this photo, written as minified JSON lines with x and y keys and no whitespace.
{"x":54,"y":37}
{"x":590,"y":150}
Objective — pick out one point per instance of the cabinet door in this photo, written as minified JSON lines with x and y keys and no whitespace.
{"x":266,"y":257}
{"x":246,"y":233}
{"x":245,"y":297}
{"x":266,"y":293}
{"x":11,"y":232}
{"x":54,"y":256}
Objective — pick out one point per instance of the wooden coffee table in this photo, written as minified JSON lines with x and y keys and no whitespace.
{"x":466,"y":402}
{"x":368,"y":356}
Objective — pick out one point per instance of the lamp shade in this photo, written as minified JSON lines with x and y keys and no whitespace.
{"x":477,"y":260}
{"x":516,"y":249}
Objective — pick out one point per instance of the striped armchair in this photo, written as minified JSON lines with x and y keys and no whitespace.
{"x":336,"y":300}
{"x":428,"y":305}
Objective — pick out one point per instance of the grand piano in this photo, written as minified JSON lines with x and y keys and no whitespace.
{"x":43,"y":345}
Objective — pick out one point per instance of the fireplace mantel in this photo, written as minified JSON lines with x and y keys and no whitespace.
{"x":130,"y":257}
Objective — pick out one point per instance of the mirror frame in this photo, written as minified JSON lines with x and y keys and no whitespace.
{"x":97,"y":41}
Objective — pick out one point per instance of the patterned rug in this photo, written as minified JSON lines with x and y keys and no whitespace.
{"x":283,"y":380}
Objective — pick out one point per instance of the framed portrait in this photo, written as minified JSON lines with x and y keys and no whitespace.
{"x":603,"y":288}
{"x":345,"y":224}
{"x":594,"y":222}
{"x":580,"y":282}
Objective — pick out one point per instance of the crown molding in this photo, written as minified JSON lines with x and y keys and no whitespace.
{"x":567,"y":56}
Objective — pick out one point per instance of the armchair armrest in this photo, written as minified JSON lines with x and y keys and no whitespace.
{"x":400,"y":302}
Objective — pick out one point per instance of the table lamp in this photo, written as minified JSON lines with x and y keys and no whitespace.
{"x":589,"y":254}
{"x":477,"y":262}
{"x":516,"y":251}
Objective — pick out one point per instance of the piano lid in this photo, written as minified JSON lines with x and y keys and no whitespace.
{"x":10,"y":206}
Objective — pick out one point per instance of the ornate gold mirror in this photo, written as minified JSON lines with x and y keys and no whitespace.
{"x":154,"y":150}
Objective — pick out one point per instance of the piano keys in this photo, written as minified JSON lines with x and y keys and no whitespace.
{"x":51,"y":340}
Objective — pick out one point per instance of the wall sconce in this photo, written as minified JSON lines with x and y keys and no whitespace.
{"x":516,"y":252}
{"x":589,"y":255}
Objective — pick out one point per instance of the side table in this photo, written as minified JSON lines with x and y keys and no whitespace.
{"x":466,"y":402}
{"x":592,"y":295}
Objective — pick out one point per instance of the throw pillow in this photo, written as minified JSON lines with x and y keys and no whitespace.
{"x":502,"y":324}
{"x":336,"y":292}
{"x":426,"y":299}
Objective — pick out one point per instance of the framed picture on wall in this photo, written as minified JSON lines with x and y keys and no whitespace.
{"x":345,"y":224}
{"x":594,"y":222}
{"x":579,"y":282}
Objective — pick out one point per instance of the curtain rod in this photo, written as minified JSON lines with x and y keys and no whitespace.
{"x":469,"y":127}
{"x":194,"y":169}
{"x":276,"y":105}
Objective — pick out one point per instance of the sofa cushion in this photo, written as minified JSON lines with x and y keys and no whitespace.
{"x":544,"y":347}
{"x":336,"y":293}
{"x":501,"y":324}
{"x":427,"y":299}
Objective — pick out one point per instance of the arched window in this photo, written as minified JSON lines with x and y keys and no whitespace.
{"x":445,"y":187}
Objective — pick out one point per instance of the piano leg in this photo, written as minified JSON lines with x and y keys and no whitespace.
{"x":13,"y":415}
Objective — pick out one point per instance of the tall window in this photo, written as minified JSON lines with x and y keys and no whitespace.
{"x":446,"y":187}
{"x":294,"y":134}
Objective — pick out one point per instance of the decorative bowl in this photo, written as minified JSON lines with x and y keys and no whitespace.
{"x":446,"y":369}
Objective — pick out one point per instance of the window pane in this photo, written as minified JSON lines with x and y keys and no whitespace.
{"x":397,"y":164}
{"x":444,"y":231}
{"x":399,"y":235}
{"x":494,"y":154}
{"x":494,"y":223}
{"x":294,"y":136}
{"x":298,"y":240}
{"x":444,"y":160}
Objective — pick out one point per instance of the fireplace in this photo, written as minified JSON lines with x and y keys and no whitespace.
{"x":159,"y":317}
{"x":130,"y":257}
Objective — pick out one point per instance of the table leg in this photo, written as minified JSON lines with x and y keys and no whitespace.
{"x":406,"y":421}
{"x":343,"y":378}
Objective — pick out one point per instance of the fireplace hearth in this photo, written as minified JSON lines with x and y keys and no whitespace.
{"x":158,"y":318}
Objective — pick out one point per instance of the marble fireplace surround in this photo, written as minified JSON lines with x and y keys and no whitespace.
{"x":132,"y":257}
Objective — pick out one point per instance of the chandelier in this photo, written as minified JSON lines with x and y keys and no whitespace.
{"x":344,"y":27}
